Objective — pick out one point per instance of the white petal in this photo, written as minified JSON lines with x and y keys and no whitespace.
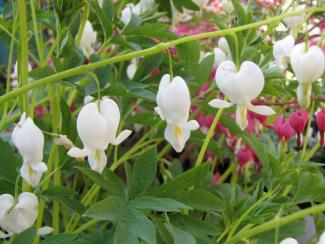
{"x":192,"y":125}
{"x":88,"y":99}
{"x":88,"y":37}
{"x":111,"y":113}
{"x":223,"y":45}
{"x":76,"y":152}
{"x":163,"y":85}
{"x":31,"y":176}
{"x":40,"y":167}
{"x":249,"y":81}
{"x":174,"y":101}
{"x":44,"y":231}
{"x":122,"y":136}
{"x":126,"y":13}
{"x":3,"y":235}
{"x":159,"y":112}
{"x":131,"y":70}
{"x":6,"y":202}
{"x":322,"y":238}
{"x":219,"y":56}
{"x":29,"y":140}
{"x":218,"y":103}
{"x":289,"y":241}
{"x":97,"y":160}
{"x":261,"y":109}
{"x":24,"y":214}
{"x":177,"y":136}
{"x":92,"y":127}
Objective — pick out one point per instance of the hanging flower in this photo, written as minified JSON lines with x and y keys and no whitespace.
{"x":241,"y":88}
{"x":97,"y":129}
{"x":322,"y":238}
{"x":320,"y":121}
{"x":173,"y":100}
{"x":17,"y":217}
{"x":29,"y":140}
{"x":132,"y":69}
{"x":308,"y":66}
{"x":219,"y":56}
{"x":223,"y":45}
{"x":138,"y":9}
{"x":281,"y":51}
{"x":88,"y":39}
{"x":283,"y":128}
{"x":298,"y":121}
{"x":227,"y":6}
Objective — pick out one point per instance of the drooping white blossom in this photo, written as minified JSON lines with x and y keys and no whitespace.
{"x":322,"y":238}
{"x":88,"y":39}
{"x":17,"y":217}
{"x":241,"y":87}
{"x":227,"y":6}
{"x":173,"y":100}
{"x":281,"y":51}
{"x":29,"y":140}
{"x":138,"y":9}
{"x":308,"y":66}
{"x":97,"y":129}
{"x":219,"y":56}
{"x":223,"y":45}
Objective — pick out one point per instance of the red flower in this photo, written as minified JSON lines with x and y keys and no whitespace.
{"x":283,"y":128}
{"x":298,"y":121}
{"x":320,"y":121}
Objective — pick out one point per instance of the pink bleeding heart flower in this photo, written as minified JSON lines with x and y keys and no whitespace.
{"x":298,"y":121}
{"x":202,"y":89}
{"x":320,"y":121}
{"x":283,"y":128}
{"x":205,"y":122}
{"x":244,"y":156}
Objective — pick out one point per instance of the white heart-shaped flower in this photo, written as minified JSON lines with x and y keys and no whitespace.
{"x":241,"y":87}
{"x":97,"y":129}
{"x":138,"y":9}
{"x":289,"y":240}
{"x":29,"y":140}
{"x":88,"y":39}
{"x":308,"y":65}
{"x":281,"y":51}
{"x":173,"y":100}
{"x":223,"y":45}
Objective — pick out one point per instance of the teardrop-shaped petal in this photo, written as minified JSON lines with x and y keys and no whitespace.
{"x":92,"y":127}
{"x":122,"y":136}
{"x":88,"y":38}
{"x":283,"y":47}
{"x":6,"y":202}
{"x":131,"y":70}
{"x":97,"y":160}
{"x":192,"y":125}
{"x":111,"y":113}
{"x":174,"y":100}
{"x":40,"y":167}
{"x":218,"y":103}
{"x":126,"y":13}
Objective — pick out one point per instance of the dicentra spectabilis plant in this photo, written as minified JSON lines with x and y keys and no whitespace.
{"x":78,"y":77}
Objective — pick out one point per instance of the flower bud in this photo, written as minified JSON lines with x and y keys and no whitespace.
{"x":283,"y":128}
{"x":227,"y":6}
{"x":88,"y":39}
{"x":64,"y":141}
{"x":244,"y":155}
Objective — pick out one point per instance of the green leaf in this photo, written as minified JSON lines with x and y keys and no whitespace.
{"x":152,"y":30}
{"x":181,"y":182}
{"x":144,"y":172}
{"x":64,"y":238}
{"x":189,"y":4}
{"x":195,"y":226}
{"x":27,"y":236}
{"x":134,"y":223}
{"x":200,"y":199}
{"x":70,"y":203}
{"x":108,"y":9}
{"x":148,"y":64}
{"x":9,"y":162}
{"x":41,"y":72}
{"x":107,"y":181}
{"x":135,"y":21}
{"x":190,"y":53}
{"x":108,"y":209}
{"x":157,"y":204}
{"x":180,"y":236}
{"x":58,"y":191}
{"x":204,"y":70}
{"x":104,"y":21}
